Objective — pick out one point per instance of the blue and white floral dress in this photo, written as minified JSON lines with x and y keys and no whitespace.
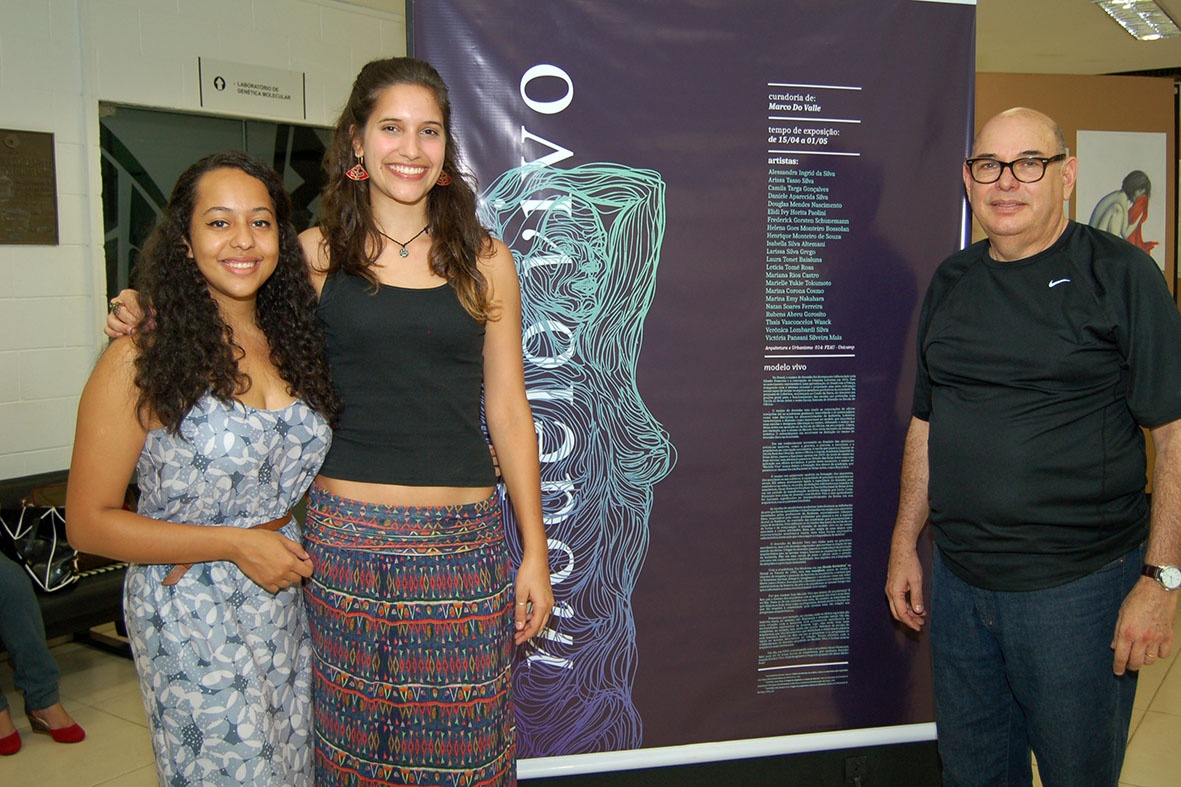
{"x":224,"y":666}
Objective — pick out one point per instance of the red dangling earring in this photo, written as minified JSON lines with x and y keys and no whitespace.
{"x":358,"y":171}
{"x":444,"y":179}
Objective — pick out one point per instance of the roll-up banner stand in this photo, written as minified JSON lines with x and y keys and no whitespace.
{"x":724,"y":214}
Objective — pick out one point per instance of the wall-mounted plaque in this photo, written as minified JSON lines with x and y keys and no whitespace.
{"x":28,"y":188}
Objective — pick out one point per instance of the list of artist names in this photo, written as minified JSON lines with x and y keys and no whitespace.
{"x":809,"y":394}
{"x":803,"y":220}
{"x":809,"y":129}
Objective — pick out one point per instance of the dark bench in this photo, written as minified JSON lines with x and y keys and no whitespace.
{"x":95,"y":599}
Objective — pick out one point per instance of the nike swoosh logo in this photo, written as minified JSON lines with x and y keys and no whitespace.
{"x":1056,"y":282}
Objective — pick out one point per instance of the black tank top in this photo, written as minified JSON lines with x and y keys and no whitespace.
{"x":408,"y":365}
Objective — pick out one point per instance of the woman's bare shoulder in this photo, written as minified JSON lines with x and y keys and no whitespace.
{"x":315,"y":250}
{"x":113,"y":378}
{"x":497,"y":254}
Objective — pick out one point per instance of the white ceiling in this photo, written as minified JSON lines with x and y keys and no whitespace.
{"x":1038,"y":37}
{"x":1065,"y":37}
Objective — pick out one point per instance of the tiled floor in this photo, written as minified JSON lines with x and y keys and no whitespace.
{"x":101,"y":692}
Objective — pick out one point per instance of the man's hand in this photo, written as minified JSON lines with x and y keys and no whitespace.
{"x":1144,"y":630}
{"x":904,"y":587}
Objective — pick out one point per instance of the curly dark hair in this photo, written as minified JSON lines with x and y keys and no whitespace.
{"x":346,"y":218}
{"x":190,"y":350}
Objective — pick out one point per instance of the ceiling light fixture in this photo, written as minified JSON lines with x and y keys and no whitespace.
{"x":1144,"y":19}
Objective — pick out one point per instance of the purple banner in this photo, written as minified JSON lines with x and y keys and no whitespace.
{"x":724,"y":215}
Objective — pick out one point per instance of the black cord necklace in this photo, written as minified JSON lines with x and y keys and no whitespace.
{"x":402,"y":252}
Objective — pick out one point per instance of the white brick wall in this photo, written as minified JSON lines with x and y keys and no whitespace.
{"x":58,"y":60}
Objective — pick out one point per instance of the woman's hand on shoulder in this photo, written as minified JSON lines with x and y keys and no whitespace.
{"x":124,"y":315}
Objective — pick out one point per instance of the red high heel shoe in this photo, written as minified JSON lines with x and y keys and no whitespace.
{"x":10,"y":744}
{"x":71,"y":734}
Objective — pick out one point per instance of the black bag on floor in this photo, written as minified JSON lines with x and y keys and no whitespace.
{"x":35,"y":537}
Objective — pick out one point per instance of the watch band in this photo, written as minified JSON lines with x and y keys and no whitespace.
{"x":1169,"y":577}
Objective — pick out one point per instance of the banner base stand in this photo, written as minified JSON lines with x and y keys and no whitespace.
{"x":724,"y":752}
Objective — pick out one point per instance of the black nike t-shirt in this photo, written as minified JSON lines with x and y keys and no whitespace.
{"x":1035,"y":376}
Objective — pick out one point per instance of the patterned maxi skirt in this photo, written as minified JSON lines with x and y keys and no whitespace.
{"x":410,"y":611}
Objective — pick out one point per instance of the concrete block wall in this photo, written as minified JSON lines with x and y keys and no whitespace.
{"x":58,"y":60}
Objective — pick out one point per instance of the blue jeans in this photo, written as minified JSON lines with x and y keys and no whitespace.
{"x":22,"y":634}
{"x":1016,"y":671}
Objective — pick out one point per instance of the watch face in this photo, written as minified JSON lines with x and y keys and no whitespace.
{"x":1170,"y":577}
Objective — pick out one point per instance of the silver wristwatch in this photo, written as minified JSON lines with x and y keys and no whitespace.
{"x":1168,"y":576}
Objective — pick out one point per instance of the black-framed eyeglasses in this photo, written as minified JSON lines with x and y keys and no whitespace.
{"x":1027,"y":169}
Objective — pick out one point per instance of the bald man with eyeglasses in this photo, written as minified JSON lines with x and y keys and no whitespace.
{"x":1042,"y":351}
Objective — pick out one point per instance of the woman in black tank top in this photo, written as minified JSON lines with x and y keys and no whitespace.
{"x":423,"y":313}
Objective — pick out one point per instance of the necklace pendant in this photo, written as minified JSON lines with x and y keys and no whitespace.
{"x":403,"y":252}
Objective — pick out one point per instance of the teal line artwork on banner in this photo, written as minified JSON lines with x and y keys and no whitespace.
{"x":587,"y":244}
{"x":719,"y":349}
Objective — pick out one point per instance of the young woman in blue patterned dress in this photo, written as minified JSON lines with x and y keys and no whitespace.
{"x":223,"y":408}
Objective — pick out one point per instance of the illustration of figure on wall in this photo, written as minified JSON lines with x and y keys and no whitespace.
{"x":1123,"y":212}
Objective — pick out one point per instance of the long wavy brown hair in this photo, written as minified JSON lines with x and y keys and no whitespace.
{"x":346,"y":217}
{"x":189,"y":350}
